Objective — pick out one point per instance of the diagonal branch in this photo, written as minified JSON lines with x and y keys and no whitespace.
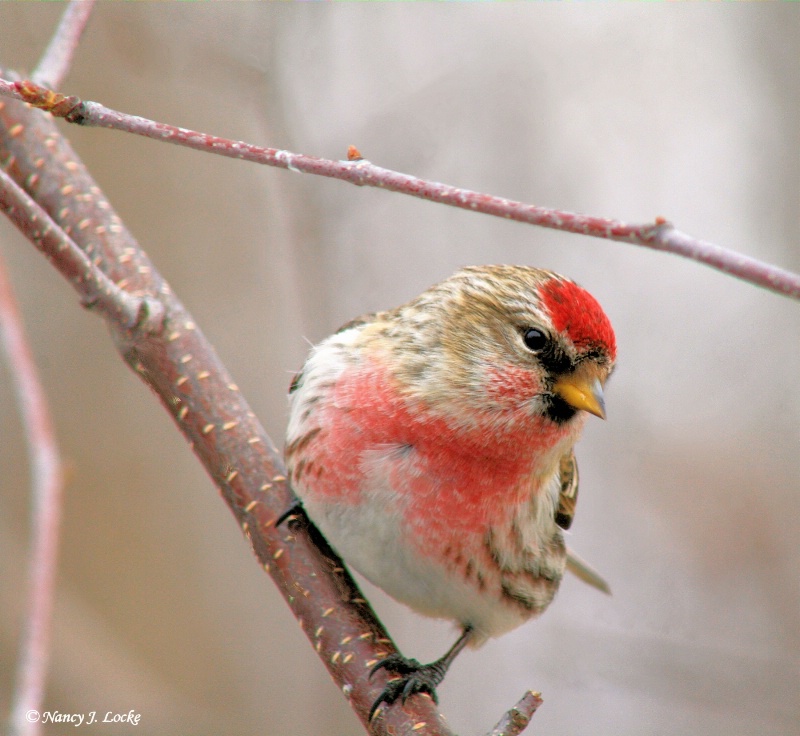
{"x":660,"y":235}
{"x":169,"y":352}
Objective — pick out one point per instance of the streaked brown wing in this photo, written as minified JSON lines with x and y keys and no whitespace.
{"x":361,"y":320}
{"x":568,"y":496}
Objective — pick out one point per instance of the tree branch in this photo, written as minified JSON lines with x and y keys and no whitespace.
{"x":660,"y":235}
{"x":516,"y":720}
{"x":46,"y":492}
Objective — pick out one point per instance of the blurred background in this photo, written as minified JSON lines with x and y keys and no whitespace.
{"x":689,"y":496}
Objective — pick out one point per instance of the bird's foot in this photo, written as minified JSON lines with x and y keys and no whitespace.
{"x":413,"y":678}
{"x":416,"y":677}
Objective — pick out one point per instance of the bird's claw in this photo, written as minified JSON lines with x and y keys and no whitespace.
{"x":413,"y":678}
{"x":296,"y":509}
{"x":397,"y":664}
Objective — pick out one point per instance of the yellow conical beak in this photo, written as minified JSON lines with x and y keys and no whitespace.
{"x":582,"y":392}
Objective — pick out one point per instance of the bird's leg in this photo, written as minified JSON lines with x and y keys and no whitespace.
{"x":415,"y":677}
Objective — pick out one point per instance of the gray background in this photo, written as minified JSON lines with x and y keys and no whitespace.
{"x":689,"y":500}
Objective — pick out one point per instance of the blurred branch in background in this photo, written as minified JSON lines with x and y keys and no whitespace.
{"x":46,"y":490}
{"x":660,"y":235}
{"x":57,"y":58}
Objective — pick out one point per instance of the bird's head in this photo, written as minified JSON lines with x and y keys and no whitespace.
{"x":510,"y":340}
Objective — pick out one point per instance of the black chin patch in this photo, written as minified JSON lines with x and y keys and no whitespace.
{"x":557,"y":410}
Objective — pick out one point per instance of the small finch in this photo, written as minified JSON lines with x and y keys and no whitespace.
{"x":432,"y":445}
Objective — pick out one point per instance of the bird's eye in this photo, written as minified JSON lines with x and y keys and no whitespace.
{"x":534,"y":339}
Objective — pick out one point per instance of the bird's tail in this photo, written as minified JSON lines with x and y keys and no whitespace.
{"x":584,"y":571}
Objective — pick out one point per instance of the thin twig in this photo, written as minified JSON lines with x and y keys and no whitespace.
{"x":57,"y":58}
{"x":660,"y":235}
{"x":46,"y":488}
{"x":97,"y":291}
{"x":515,"y":720}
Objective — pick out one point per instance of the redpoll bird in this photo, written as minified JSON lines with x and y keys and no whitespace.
{"x":432,"y":445}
